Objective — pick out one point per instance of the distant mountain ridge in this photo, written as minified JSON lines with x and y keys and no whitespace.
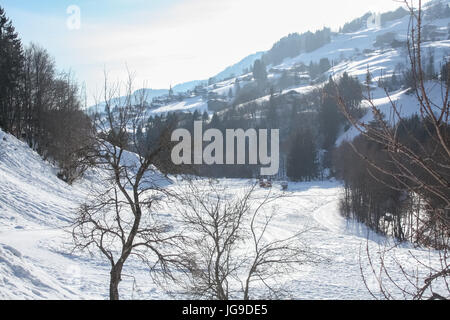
{"x":311,"y":47}
{"x":236,"y":69}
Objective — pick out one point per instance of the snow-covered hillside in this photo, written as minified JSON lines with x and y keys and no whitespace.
{"x":406,"y":103}
{"x":353,"y":53}
{"x":350,"y":48}
{"x":187,"y":105}
{"x":36,"y":211}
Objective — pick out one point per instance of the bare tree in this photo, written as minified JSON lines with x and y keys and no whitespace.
{"x":420,"y":167}
{"x":69,"y":140}
{"x":227,"y":252}
{"x":120,"y":220}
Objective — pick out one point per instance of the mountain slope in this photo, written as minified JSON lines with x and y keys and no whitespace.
{"x":354,"y":53}
{"x":238,"y":68}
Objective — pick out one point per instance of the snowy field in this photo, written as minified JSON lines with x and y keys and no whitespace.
{"x":36,"y":259}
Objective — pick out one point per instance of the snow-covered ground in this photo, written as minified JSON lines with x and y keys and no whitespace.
{"x":406,"y":103}
{"x":349,"y":47}
{"x":37,"y":209}
{"x":36,"y":259}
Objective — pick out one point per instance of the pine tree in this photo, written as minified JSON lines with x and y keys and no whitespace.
{"x":313,"y":70}
{"x":260,"y":72}
{"x":351,"y":91}
{"x":445,"y":73}
{"x":302,"y":158}
{"x":325,"y":65}
{"x":196,"y":116}
{"x":368,"y":79}
{"x":205,"y":116}
{"x":272,"y":113}
{"x":330,"y":118}
{"x":430,"y":74}
{"x":230,"y":94}
{"x":286,"y":80}
{"x":294,"y":118}
{"x":237,"y":87}
{"x":11,"y":61}
{"x":215,"y":121}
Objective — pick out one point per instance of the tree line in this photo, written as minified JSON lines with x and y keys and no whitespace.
{"x":399,"y":182}
{"x":294,"y":44}
{"x":41,"y":105}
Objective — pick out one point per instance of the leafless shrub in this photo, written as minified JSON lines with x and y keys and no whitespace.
{"x":228,"y":250}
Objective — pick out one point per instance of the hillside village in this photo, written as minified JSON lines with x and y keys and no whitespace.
{"x":93,"y":204}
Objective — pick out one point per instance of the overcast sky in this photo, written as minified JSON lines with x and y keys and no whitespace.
{"x":171,"y":41}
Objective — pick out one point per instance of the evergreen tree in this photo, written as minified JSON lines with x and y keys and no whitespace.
{"x":237,"y":87}
{"x":286,"y":80}
{"x":140,"y":135}
{"x":430,"y":74}
{"x":260,"y":72}
{"x":313,"y":70}
{"x":293,"y":118}
{"x":325,"y":65}
{"x":272,"y":114}
{"x":196,"y":116}
{"x":302,"y":162}
{"x":330,"y":118}
{"x":368,"y":79}
{"x":445,"y":73}
{"x":350,"y":90}
{"x":205,"y":116}
{"x":11,"y":61}
{"x":230,"y":94}
{"x":215,"y":121}
{"x":394,"y":85}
